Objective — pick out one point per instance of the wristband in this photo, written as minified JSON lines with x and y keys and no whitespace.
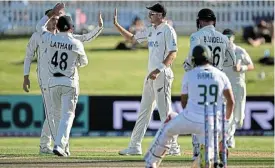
{"x":244,"y":68}
{"x":161,"y":67}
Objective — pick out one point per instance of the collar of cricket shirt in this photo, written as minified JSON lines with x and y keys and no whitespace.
{"x":160,"y":25}
{"x":65,"y":34}
{"x":208,"y":27}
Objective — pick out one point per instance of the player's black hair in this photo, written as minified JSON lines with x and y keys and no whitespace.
{"x":201,"y":55}
{"x":64,"y":23}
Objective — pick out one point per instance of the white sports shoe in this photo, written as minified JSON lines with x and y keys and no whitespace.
{"x":231,"y":142}
{"x":57,"y":150}
{"x":67,"y":150}
{"x":154,"y":165}
{"x":131,"y":151}
{"x":45,"y":150}
{"x":174,"y":151}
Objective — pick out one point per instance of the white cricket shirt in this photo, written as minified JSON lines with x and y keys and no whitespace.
{"x":204,"y":84}
{"x":161,"y":40}
{"x":218,"y":44}
{"x":35,"y":46}
{"x":244,"y":58}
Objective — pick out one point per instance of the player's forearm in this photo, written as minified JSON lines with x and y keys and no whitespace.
{"x":41,"y":25}
{"x":83,"y":61}
{"x":89,"y":36}
{"x":170,"y":58}
{"x":167,"y":61}
{"x":27,"y":66}
{"x":126,"y":34}
{"x":245,"y":68}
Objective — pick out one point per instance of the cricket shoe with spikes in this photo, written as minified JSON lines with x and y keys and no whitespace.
{"x":131,"y":151}
{"x":57,"y":150}
{"x":45,"y":150}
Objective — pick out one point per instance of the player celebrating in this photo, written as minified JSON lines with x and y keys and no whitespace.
{"x":202,"y":84}
{"x":162,"y":43}
{"x":237,"y":79}
{"x":218,"y":44}
{"x":35,"y":47}
{"x":65,"y":54}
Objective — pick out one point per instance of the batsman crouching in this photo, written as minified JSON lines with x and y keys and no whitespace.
{"x":202,"y":84}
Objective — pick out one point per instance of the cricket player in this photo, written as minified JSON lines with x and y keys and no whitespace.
{"x":162,"y":44}
{"x":35,"y":47}
{"x":218,"y":44}
{"x":202,"y":84}
{"x":64,"y":54}
{"x":237,"y":79}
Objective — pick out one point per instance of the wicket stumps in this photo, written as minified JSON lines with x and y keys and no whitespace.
{"x":215,"y":134}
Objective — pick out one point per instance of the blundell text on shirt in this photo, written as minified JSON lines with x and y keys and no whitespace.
{"x":60,"y":45}
{"x":209,"y":39}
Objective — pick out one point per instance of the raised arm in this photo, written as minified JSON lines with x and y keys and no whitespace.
{"x":41,"y":25}
{"x":126,"y":34}
{"x":93,"y":34}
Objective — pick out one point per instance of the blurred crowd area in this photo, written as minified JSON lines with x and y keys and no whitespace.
{"x":261,"y":32}
{"x":254,"y":19}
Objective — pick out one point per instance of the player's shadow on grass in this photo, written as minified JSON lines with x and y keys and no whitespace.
{"x":110,"y":49}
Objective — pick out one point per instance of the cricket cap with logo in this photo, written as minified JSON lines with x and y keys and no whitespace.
{"x":64,"y":23}
{"x":228,"y":32}
{"x":158,"y":8}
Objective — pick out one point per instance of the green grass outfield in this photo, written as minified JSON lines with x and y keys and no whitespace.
{"x":112,"y":72}
{"x":102,"y":152}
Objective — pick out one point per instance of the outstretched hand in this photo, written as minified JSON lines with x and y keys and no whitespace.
{"x":100,"y":20}
{"x":115,"y":17}
{"x":58,"y":7}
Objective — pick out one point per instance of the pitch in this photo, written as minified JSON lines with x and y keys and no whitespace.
{"x":102,"y":152}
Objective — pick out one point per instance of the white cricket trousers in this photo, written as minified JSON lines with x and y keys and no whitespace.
{"x":183,"y":123}
{"x":63,"y":100}
{"x":155,"y":92}
{"x":48,"y":125}
{"x":236,"y":120}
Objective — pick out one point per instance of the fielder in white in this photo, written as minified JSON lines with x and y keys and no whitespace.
{"x":35,"y":47}
{"x":219,"y":45}
{"x":237,"y":79}
{"x":64,"y":54}
{"x":202,"y":84}
{"x":162,"y":44}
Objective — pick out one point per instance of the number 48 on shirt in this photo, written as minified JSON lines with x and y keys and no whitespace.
{"x":62,"y":64}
